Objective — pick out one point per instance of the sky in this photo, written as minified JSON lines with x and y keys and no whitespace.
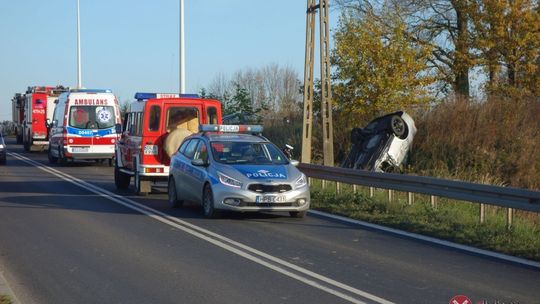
{"x":132,"y":45}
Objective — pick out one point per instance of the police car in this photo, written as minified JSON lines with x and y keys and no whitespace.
{"x":229,"y":167}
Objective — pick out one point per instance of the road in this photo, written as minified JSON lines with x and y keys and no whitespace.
{"x":68,"y":236}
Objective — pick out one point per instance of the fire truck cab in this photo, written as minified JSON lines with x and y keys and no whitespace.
{"x":152,"y":131}
{"x":85,"y":126}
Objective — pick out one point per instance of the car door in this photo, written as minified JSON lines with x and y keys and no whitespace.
{"x":185,"y":171}
{"x":199,"y":173}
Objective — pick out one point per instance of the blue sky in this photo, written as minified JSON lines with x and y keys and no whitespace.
{"x":132,"y":45}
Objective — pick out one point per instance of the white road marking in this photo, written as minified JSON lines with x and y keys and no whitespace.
{"x":432,"y":240}
{"x":240,"y":249}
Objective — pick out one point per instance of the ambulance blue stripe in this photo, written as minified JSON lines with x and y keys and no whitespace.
{"x":90,"y":132}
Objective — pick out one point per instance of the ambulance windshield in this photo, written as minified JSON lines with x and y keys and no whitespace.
{"x":91,"y":117}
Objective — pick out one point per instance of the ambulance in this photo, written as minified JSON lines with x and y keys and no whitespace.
{"x":84,"y":126}
{"x":152,"y":131}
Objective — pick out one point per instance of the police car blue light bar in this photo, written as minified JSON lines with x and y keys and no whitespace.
{"x":144,"y":96}
{"x":231,"y":128}
{"x":91,"y":90}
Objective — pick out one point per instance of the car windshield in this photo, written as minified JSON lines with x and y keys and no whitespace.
{"x":259,"y":153}
{"x":91,"y":117}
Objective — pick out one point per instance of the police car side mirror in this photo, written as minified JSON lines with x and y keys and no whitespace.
{"x":118,"y":128}
{"x":294,"y":162}
{"x":199,"y":162}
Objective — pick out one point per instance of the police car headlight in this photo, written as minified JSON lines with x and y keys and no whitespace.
{"x":229,"y":181}
{"x":1,"y":146}
{"x":301,"y":181}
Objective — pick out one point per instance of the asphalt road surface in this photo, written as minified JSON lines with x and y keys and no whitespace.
{"x":68,"y":236}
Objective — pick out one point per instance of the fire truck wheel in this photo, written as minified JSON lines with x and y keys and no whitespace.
{"x":27,"y":146}
{"x":141,"y":187}
{"x":121,"y":179}
{"x":174,"y":202}
{"x":52,"y":159}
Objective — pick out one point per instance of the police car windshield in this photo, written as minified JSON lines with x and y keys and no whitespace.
{"x":252,"y":153}
{"x":91,"y":117}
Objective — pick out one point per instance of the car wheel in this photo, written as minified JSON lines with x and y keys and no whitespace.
{"x":398,"y":126}
{"x":26,"y":146}
{"x":298,"y":214}
{"x":139,"y":185}
{"x":52,"y":159}
{"x":208,"y":203}
{"x":61,"y":159}
{"x":173,"y":194}
{"x":121,"y":179}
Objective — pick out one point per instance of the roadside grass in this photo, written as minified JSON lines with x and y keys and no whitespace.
{"x":5,"y":299}
{"x":451,"y":220}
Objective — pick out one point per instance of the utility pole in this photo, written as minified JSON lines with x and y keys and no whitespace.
{"x":326,"y":89}
{"x":182,"y":53}
{"x":79,"y":73}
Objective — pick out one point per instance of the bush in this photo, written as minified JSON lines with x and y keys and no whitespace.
{"x":494,"y":142}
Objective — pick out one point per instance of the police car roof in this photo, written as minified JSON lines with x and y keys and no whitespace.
{"x":242,"y":137}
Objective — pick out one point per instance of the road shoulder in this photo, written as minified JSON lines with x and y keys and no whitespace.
{"x":5,"y":290}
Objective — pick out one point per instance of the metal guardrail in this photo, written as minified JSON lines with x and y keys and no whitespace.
{"x":459,"y":190}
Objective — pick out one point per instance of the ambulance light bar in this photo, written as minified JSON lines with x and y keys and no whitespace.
{"x":144,"y":96}
{"x":91,"y":91}
{"x":231,"y":128}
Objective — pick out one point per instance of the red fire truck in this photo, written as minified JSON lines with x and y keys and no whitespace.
{"x":31,"y":111}
{"x":17,"y":111}
{"x":152,"y":130}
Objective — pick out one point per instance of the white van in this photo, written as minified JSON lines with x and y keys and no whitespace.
{"x":84,"y":126}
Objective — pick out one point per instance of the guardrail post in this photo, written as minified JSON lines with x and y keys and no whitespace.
{"x":309,"y":181}
{"x":390,"y":195}
{"x":433,"y":202}
{"x":371,"y":190}
{"x":323,"y":183}
{"x":509,"y":218}
{"x":338,"y":187}
{"x":482,"y":213}
{"x":410,"y":198}
{"x":355,"y":189}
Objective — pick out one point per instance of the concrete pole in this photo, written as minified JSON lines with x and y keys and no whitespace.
{"x":182,"y":51}
{"x":79,"y":73}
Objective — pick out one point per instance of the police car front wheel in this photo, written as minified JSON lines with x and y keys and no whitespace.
{"x":208,"y":203}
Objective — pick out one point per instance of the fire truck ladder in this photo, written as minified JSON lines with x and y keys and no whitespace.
{"x":326,"y":89}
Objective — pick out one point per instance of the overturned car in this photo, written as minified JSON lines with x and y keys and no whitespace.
{"x":383,"y":145}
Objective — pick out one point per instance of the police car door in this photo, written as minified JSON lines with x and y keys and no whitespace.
{"x":185,"y":171}
{"x":198,"y":176}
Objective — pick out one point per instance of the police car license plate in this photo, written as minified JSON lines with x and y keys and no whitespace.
{"x":270,"y":199}
{"x":80,"y":149}
{"x":151,"y":150}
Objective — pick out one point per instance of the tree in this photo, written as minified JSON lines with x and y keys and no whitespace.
{"x":507,"y":35}
{"x":240,"y":102}
{"x":440,"y":25}
{"x":377,"y":68}
{"x":272,"y":90}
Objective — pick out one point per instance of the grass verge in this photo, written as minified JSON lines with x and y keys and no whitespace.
{"x":450,"y":220}
{"x":5,"y":299}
